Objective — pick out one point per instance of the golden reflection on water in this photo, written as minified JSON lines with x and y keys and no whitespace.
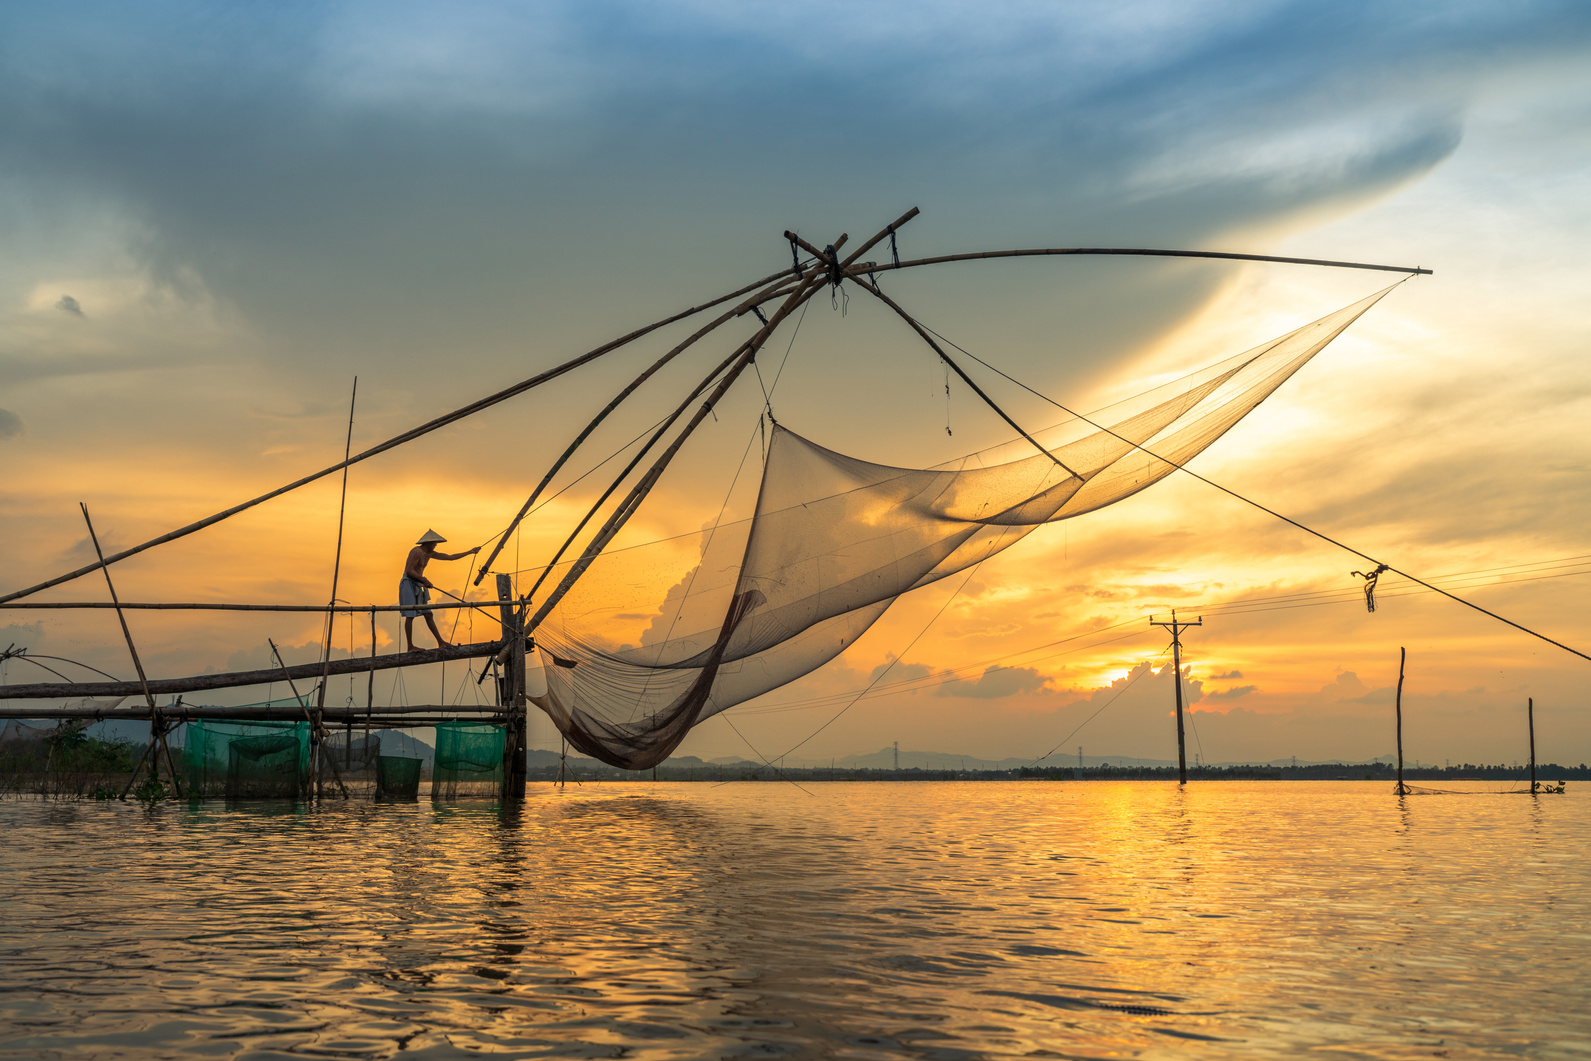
{"x":933,"y":920}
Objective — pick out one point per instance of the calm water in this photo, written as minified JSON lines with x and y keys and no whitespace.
{"x":949,"y":920}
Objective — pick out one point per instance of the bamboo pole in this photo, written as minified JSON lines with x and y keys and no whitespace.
{"x":397,"y":440}
{"x":317,"y":732}
{"x":1145,"y":252}
{"x":638,"y":493}
{"x":203,"y":606}
{"x":1530,"y":715}
{"x":337,"y":554}
{"x":187,"y":713}
{"x":1402,"y":789}
{"x":597,"y":420}
{"x":370,"y":675}
{"x":156,"y":728}
{"x":624,"y":473}
{"x":236,"y":679}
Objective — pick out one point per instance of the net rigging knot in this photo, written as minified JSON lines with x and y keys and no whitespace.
{"x":893,"y":251}
{"x":758,"y":311}
{"x":795,"y":256}
{"x":1370,"y":584}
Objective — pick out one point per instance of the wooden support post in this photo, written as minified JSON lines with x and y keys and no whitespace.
{"x":1530,"y":715}
{"x":511,"y":691}
{"x":370,"y":684}
{"x":157,"y":732}
{"x":1400,"y":789}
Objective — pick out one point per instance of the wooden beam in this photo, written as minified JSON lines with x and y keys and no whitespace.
{"x":234,"y":679}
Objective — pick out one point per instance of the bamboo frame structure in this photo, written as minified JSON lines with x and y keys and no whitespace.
{"x":791,"y":287}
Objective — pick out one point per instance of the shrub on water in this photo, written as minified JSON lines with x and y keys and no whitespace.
{"x":151,"y":792}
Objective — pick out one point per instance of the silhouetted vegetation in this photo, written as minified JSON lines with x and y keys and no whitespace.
{"x":66,"y":763}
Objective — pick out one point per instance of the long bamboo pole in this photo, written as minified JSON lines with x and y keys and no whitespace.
{"x":1402,"y":789}
{"x":1530,"y":715}
{"x":397,"y":440}
{"x":235,"y":679}
{"x":156,"y":726}
{"x":337,"y":554}
{"x":205,"y":606}
{"x":624,"y":473}
{"x":1145,"y":252}
{"x":267,"y":712}
{"x":642,"y":488}
{"x":596,"y":421}
{"x":317,"y":733}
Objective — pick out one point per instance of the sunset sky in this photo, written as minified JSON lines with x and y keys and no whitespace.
{"x":216,"y":216}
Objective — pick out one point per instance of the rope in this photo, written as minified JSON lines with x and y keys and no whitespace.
{"x":1370,"y":585}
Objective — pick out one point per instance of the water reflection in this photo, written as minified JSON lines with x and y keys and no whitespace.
{"x":875,"y":920}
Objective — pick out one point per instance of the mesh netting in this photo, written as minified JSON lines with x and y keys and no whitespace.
{"x":665,"y":635}
{"x":398,"y":777}
{"x":469,"y":760}
{"x":348,"y":764}
{"x":263,"y":767}
{"x":239,"y":759}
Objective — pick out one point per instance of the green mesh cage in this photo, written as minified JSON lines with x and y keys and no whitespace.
{"x":398,"y":777}
{"x":264,"y":767}
{"x":469,"y":760}
{"x":271,"y":759}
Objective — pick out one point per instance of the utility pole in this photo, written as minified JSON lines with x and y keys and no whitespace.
{"x":897,"y":756}
{"x":1176,"y":629}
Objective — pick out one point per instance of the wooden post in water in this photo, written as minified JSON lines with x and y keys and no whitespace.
{"x":1402,"y":789}
{"x":1530,"y":715}
{"x":370,"y":683}
{"x":511,"y":691}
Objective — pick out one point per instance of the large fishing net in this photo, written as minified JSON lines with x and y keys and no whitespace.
{"x":665,"y":635}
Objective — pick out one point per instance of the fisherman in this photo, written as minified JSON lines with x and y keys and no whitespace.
{"x":415,"y":589}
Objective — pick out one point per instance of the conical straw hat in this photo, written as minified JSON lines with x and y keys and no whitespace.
{"x":430,"y":536}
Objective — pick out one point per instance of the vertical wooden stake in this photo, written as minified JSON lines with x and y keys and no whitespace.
{"x":511,"y":690}
{"x":1530,"y":714}
{"x":1402,"y":789}
{"x":370,"y":683}
{"x":157,"y":733}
